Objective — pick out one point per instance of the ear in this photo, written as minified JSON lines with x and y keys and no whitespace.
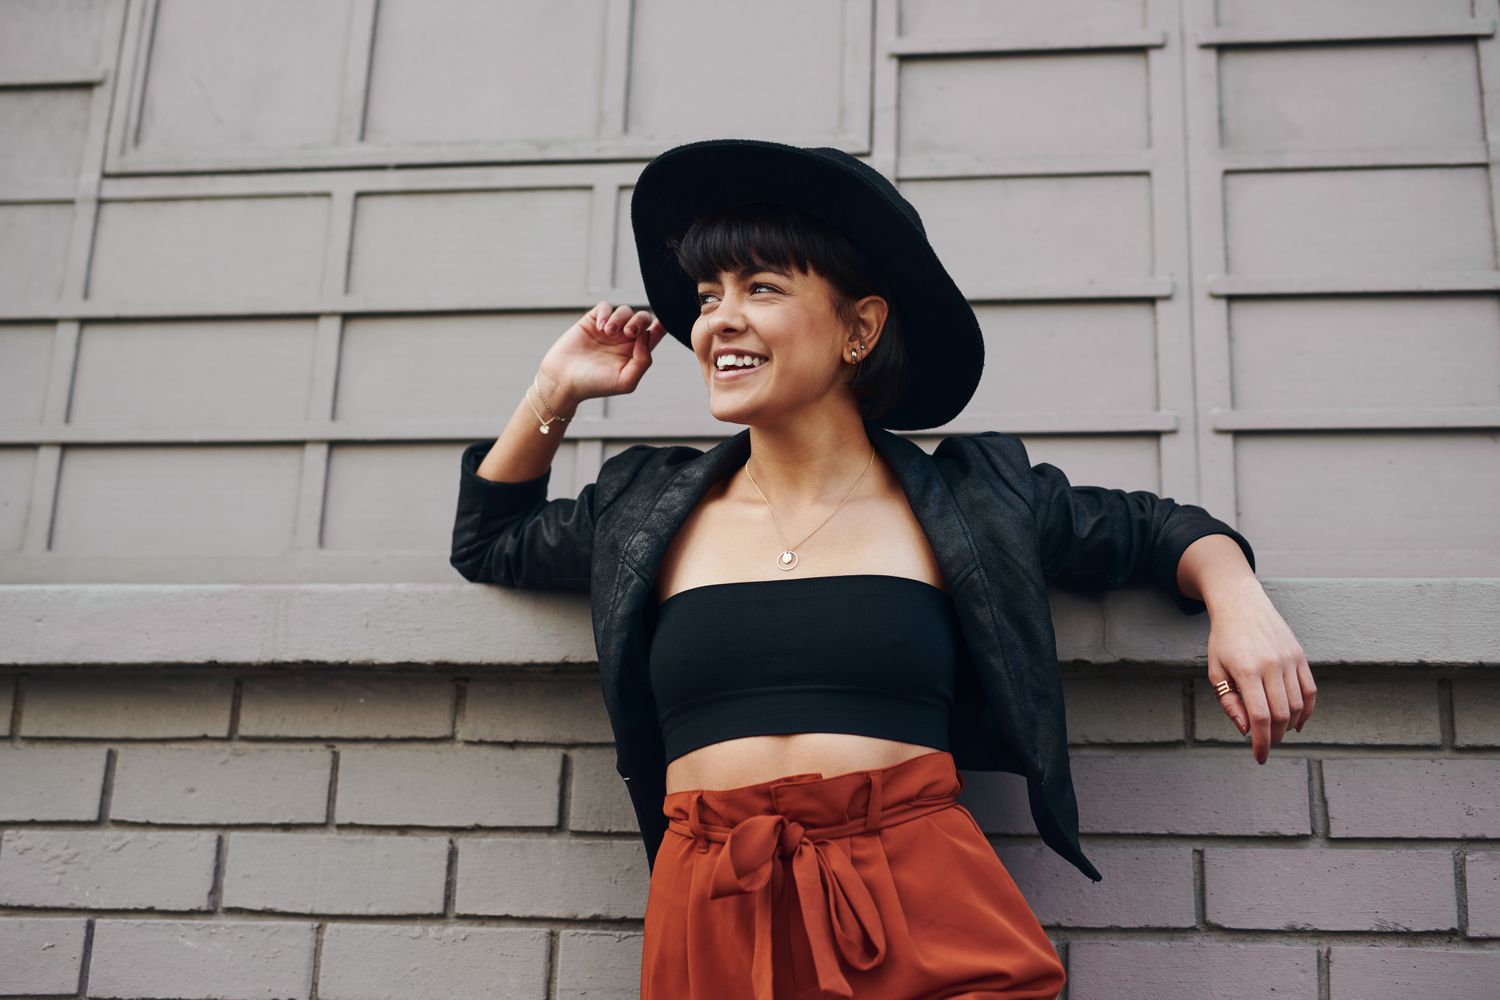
{"x":870,"y":314}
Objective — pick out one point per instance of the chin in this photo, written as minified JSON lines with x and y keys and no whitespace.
{"x":726,"y":406}
{"x":731,"y":413}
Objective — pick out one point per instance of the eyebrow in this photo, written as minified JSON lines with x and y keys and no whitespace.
{"x":747,"y":270}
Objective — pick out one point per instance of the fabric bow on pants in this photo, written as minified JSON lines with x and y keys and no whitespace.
{"x":838,"y":913}
{"x":827,"y":887}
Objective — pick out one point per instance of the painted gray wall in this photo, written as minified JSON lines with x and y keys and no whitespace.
{"x":265,"y":269}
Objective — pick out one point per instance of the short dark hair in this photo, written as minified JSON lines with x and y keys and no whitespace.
{"x":765,"y":235}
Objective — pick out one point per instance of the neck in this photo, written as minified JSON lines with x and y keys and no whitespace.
{"x":809,"y":462}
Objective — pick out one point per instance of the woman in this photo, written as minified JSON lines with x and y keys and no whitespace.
{"x":808,"y":661}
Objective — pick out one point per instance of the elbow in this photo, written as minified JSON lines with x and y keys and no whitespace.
{"x":489,"y":562}
{"x":473,"y":561}
{"x":467,"y":568}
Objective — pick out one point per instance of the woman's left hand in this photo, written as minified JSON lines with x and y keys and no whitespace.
{"x":1251,"y":645}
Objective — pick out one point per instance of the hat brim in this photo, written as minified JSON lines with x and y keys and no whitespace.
{"x":944,"y":344}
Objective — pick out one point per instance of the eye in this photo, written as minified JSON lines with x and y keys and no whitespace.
{"x":753,"y":287}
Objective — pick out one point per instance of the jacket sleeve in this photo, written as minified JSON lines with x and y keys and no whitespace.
{"x":1095,"y":538}
{"x":510,"y":533}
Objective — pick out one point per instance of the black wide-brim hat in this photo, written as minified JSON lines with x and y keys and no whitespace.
{"x":944,"y":345}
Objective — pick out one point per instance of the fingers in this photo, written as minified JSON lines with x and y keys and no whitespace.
{"x":1309,"y":690}
{"x":655,"y":334}
{"x":645,"y":331}
{"x":637,"y":325}
{"x":1270,"y":704}
{"x":1228,"y":693}
{"x":620,"y":325}
{"x":1256,"y":707}
{"x":1271,"y":701}
{"x":1276,"y":702}
{"x":1246,"y":705}
{"x":611,"y":323}
{"x":1276,"y":688}
{"x":615,"y":323}
{"x":635,"y":368}
{"x":598,"y":318}
{"x":1293,"y":694}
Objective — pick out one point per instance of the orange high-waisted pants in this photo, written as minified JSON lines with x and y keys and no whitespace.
{"x":873,"y":884}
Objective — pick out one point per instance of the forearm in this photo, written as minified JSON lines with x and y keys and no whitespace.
{"x":522,"y":451}
{"x":1213,"y":569}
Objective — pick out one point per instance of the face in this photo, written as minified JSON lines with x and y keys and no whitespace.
{"x":789,"y":321}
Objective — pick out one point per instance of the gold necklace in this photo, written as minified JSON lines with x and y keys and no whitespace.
{"x":788,"y":558}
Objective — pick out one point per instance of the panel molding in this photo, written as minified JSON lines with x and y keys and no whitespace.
{"x":1073,"y":38}
{"x":1433,"y":282}
{"x":1431,"y":622}
{"x":1345,"y":31}
{"x":1373,"y":418}
{"x":351,"y":150}
{"x":581,"y":429}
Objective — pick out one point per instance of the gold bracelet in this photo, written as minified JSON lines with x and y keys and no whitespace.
{"x":545,"y":428}
{"x":543,"y":398}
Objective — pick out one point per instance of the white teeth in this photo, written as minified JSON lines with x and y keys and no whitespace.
{"x":737,"y":361}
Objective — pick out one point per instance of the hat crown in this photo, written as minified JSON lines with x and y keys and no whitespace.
{"x":877,"y":180}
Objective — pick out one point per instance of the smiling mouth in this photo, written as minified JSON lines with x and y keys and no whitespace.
{"x":734,"y":374}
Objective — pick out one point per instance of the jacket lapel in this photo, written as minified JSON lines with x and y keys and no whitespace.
{"x":646,"y":548}
{"x":926,"y":492}
{"x":622,"y":618}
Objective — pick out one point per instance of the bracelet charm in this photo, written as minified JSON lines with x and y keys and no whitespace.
{"x":545,"y":427}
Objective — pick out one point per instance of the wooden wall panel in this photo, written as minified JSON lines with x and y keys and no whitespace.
{"x":1372,"y":503}
{"x":177,"y":500}
{"x":1351,"y":96}
{"x":1214,"y":246}
{"x":1090,"y":358}
{"x":529,"y":72}
{"x":524,"y":243}
{"x":1370,"y":352}
{"x":227,"y":75}
{"x":988,"y":108}
{"x":1038,"y":229}
{"x":1372,"y":220}
{"x":215,"y":249}
{"x":33,"y":251}
{"x":46,"y":133}
{"x":223,"y":374}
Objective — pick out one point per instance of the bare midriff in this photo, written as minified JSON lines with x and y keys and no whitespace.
{"x":749,"y":760}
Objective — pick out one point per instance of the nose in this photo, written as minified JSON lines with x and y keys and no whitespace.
{"x":722,"y":330}
{"x":727,"y":314}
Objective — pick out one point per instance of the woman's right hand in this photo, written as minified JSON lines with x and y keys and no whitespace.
{"x":605,"y":353}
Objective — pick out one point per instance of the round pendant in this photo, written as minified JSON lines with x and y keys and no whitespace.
{"x":786,"y":560}
{"x":545,"y":428}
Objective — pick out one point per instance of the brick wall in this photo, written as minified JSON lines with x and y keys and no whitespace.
{"x":318,"y":833}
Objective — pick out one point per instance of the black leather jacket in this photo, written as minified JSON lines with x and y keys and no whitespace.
{"x":1001,"y":528}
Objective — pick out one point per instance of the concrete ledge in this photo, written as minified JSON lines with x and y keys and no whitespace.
{"x":1405,"y":620}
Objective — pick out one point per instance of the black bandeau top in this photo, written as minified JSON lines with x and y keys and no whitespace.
{"x":871,"y":654}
